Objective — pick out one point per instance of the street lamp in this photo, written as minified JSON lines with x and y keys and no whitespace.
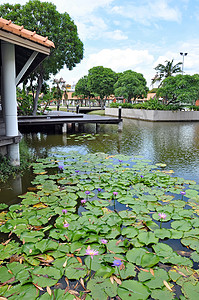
{"x":183,"y":55}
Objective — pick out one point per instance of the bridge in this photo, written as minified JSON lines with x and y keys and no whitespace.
{"x":61,"y":119}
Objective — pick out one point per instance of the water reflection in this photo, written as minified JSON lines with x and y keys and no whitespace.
{"x":176,"y":144}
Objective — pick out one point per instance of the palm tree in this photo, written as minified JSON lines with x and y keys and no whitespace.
{"x":165,"y":71}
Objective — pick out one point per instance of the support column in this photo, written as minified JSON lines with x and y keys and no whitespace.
{"x":9,"y":95}
{"x":65,"y":128}
{"x":97,"y":127}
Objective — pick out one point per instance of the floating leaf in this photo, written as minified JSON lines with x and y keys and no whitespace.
{"x":191,"y":291}
{"x":131,"y":289}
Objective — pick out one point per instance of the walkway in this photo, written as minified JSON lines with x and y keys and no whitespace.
{"x":64,"y":118}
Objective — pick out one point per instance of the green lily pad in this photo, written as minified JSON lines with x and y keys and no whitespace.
{"x":3,"y":206}
{"x":162,"y":294}
{"x":131,"y":289}
{"x":182,"y":225}
{"x":191,"y":291}
{"x":102,"y":288}
{"x":31,"y":236}
{"x":147,"y":238}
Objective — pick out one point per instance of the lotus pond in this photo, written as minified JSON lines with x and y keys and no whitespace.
{"x":96,"y":227}
{"x":101,"y":226}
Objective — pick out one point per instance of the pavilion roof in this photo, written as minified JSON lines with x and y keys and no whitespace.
{"x":10,"y":27}
{"x":26,"y":44}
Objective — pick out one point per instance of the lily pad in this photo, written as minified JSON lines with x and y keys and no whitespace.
{"x":131,"y":289}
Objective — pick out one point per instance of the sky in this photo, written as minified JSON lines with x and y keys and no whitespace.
{"x":132,"y":34}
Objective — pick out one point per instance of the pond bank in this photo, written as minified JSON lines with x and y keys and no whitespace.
{"x":154,"y":115}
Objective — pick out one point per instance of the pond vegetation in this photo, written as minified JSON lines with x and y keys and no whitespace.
{"x":100,"y":226}
{"x":156,"y":104}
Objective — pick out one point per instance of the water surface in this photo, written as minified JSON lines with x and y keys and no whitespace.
{"x":173,"y":143}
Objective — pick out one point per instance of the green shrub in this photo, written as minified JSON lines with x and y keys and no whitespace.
{"x":151,"y":104}
{"x":6,"y":170}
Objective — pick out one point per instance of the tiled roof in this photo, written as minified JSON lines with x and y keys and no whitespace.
{"x":22,"y":32}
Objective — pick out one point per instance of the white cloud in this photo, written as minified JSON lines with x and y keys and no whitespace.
{"x":120,"y":60}
{"x":79,"y":8}
{"x":75,"y":8}
{"x":116,"y":35}
{"x":91,"y":28}
{"x":149,"y":11}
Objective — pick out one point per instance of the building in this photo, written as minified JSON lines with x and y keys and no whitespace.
{"x":21,"y":51}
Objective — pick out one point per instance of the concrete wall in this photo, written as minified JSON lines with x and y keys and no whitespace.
{"x":154,"y":115}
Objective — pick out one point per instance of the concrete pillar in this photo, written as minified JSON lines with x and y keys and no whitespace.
{"x":9,"y":88}
{"x":9,"y":95}
{"x":65,"y":128}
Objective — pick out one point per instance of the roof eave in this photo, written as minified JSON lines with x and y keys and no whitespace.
{"x":26,"y":43}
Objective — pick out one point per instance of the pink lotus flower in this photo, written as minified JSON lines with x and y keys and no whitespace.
{"x":115,"y":193}
{"x":64,"y":211}
{"x":83,"y":201}
{"x":66,"y":225}
{"x":103,"y":241}
{"x":91,"y":252}
{"x":162,"y":215}
{"x":183,"y":193}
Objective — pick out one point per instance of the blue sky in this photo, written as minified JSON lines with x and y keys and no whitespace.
{"x":133,"y":34}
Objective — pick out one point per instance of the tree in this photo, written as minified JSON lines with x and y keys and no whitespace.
{"x":101,"y":82}
{"x":180,"y":89}
{"x":59,"y":86}
{"x":43,"y":18}
{"x":164,"y":71}
{"x":130,"y":85}
{"x":81,"y":88}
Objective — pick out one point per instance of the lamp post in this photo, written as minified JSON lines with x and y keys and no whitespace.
{"x":183,"y":55}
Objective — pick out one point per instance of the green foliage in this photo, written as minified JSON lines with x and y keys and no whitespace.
{"x":151,"y":104}
{"x":6,"y":170}
{"x":101,"y":81}
{"x":82,"y":89}
{"x":130,"y":85}
{"x":164,"y":71}
{"x":24,"y":102}
{"x":43,"y":18}
{"x":41,"y":250}
{"x":180,"y":89}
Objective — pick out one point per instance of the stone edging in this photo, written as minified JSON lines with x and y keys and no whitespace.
{"x":154,"y":115}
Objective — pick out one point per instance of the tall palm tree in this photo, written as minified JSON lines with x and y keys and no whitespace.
{"x":164,"y":71}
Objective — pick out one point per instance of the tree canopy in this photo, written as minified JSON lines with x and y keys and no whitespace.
{"x":180,"y":88}
{"x":81,"y":88}
{"x":164,"y":71}
{"x":130,"y":85}
{"x":101,"y":81}
{"x":43,"y":18}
